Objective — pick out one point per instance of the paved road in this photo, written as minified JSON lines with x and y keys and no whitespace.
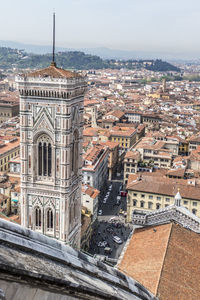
{"x":110,"y":208}
{"x":106,"y":229}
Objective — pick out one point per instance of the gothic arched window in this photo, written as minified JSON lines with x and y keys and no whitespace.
{"x":44,"y":156}
{"x":75,"y":153}
{"x":49,"y":219}
{"x":38,"y":217}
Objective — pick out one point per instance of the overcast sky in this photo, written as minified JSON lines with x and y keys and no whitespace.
{"x":161,"y":25}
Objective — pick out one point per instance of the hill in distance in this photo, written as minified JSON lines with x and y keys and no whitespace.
{"x":10,"y":58}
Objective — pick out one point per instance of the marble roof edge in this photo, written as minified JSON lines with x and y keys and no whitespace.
{"x":21,"y":237}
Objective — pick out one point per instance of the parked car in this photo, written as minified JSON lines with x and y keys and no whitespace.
{"x":123,"y":193}
{"x":107,"y":250}
{"x":100,"y":212}
{"x":109,"y":229}
{"x":117,"y":239}
{"x":118,"y":200}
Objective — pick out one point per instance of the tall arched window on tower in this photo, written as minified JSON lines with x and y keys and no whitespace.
{"x":75,"y":153}
{"x":38,"y":218}
{"x":49,"y":219}
{"x":44,"y":146}
{"x":49,"y":159}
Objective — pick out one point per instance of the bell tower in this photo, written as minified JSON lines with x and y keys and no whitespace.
{"x":51,"y":125}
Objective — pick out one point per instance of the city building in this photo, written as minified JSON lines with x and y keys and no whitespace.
{"x":149,"y":152}
{"x":14,"y":165}
{"x":95,"y":167}
{"x":90,"y":199}
{"x":86,"y":228}
{"x":133,"y":116}
{"x":124,"y":136}
{"x":9,"y":105}
{"x":152,"y":191}
{"x":194,"y":142}
{"x":9,"y":150}
{"x":51,"y":120}
{"x":113,"y":158}
{"x":111,"y":118}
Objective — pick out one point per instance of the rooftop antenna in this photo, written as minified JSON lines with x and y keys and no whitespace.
{"x":53,"y":63}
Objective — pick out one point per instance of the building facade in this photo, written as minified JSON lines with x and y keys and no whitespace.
{"x":147,"y":192}
{"x":90,"y":199}
{"x":95,"y":167}
{"x":9,"y":150}
{"x":125,"y":137}
{"x":51,"y":122}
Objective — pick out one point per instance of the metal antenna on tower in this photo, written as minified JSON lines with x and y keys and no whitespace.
{"x":53,"y":56}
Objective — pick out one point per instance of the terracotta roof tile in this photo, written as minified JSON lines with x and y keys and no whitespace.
{"x":163,"y":186}
{"x":53,"y":72}
{"x":165,"y":260}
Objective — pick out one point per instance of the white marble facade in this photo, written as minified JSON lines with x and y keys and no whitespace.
{"x":51,"y":116}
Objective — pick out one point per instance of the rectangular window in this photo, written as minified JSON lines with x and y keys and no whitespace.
{"x":194,"y":203}
{"x":158,"y":198}
{"x":135,"y":194}
{"x":142,"y":195}
{"x":150,"y":197}
{"x":186,"y":202}
{"x":167,"y":199}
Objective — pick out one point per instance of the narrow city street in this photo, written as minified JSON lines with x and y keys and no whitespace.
{"x":111,"y":231}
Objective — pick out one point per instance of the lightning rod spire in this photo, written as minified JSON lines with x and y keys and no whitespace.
{"x":53,"y":63}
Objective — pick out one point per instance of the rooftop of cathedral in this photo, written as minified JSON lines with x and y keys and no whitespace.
{"x":164,"y":259}
{"x":39,"y":267}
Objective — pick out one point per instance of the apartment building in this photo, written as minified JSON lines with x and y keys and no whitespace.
{"x":131,"y":161}
{"x":90,"y":199}
{"x":9,"y":105}
{"x":151,"y":191}
{"x":125,"y":136}
{"x":9,"y":149}
{"x":95,"y":166}
{"x":194,"y":142}
{"x":149,"y":153}
{"x":133,"y":116}
{"x":113,"y":157}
